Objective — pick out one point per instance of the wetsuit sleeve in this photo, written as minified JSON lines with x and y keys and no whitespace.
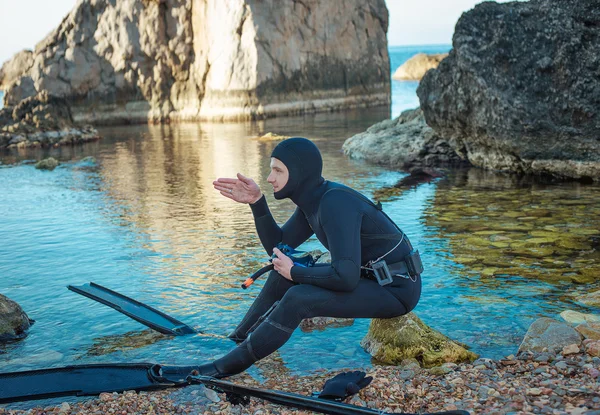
{"x":293,"y":233}
{"x":341,"y":220}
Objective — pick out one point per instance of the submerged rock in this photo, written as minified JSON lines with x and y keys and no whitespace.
{"x":549,"y":334}
{"x":13,"y":320}
{"x":405,"y":142}
{"x":591,"y":299}
{"x":140,"y":60}
{"x":415,"y":68}
{"x":47,"y":164}
{"x":575,"y":317}
{"x":390,"y":341}
{"x":519,"y":91}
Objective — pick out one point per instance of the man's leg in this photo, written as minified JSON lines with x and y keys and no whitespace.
{"x":368,"y":300}
{"x":274,"y":289}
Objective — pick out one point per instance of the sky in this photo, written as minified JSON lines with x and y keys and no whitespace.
{"x":24,"y":23}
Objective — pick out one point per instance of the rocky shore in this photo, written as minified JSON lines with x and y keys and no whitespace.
{"x":42,"y":121}
{"x":544,"y":383}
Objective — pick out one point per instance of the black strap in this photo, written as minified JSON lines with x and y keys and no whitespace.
{"x":379,"y":207}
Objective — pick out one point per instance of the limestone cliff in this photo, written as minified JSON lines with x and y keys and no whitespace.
{"x":520,"y":90}
{"x":138,"y":60}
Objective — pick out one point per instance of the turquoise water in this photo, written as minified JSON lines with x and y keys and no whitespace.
{"x":1,"y":99}
{"x":142,"y":218}
{"x":404,"y":92}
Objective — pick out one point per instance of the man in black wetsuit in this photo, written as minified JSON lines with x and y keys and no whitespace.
{"x":354,"y":230}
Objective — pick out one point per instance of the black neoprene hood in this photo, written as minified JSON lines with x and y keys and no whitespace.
{"x":305,"y":165}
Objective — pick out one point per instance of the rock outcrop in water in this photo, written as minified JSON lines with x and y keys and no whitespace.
{"x":416,"y":67}
{"x":13,"y":320}
{"x":405,"y":142}
{"x":392,"y":340}
{"x":520,"y":90}
{"x":41,"y":121}
{"x":158,"y":60}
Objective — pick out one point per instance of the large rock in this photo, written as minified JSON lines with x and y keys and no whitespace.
{"x":550,"y":334}
{"x":15,"y":68}
{"x":404,"y":142}
{"x":520,"y":90}
{"x":415,"y":68}
{"x":13,"y":320}
{"x":139,"y":60}
{"x":390,"y":341}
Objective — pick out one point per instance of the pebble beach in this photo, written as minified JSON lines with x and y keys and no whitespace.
{"x":530,"y":383}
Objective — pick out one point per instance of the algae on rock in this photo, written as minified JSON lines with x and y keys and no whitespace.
{"x":392,"y":340}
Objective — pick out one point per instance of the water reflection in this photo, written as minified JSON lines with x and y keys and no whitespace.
{"x":144,"y":220}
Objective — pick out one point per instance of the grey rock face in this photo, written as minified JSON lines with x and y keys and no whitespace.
{"x":550,"y":334}
{"x":520,"y":90}
{"x":140,"y":60}
{"x":14,"y":68}
{"x":405,"y":142}
{"x":13,"y":320}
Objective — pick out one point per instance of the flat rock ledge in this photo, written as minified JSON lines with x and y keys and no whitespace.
{"x":392,"y":341}
{"x":405,"y":142}
{"x":41,"y":121}
{"x":415,"y":68}
{"x":14,"y":323}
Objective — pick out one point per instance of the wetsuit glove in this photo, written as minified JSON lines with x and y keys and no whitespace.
{"x":344,"y":385}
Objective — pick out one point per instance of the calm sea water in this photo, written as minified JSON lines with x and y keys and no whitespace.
{"x":141,"y":217}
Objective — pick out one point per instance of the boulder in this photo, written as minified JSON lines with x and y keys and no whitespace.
{"x":589,"y":330}
{"x":519,"y":91}
{"x":549,"y":334}
{"x":14,"y":68}
{"x":390,"y":341}
{"x":47,"y":164}
{"x":415,"y":68}
{"x":139,"y":60}
{"x":405,"y":142}
{"x":13,"y":320}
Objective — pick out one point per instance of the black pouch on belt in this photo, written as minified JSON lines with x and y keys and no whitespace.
{"x":413,"y":263}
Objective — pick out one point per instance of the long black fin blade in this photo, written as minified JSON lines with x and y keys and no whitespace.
{"x":140,"y":312}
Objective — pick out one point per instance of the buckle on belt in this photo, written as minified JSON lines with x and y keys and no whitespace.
{"x":382,"y":272}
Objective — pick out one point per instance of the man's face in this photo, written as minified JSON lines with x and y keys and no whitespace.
{"x":279,"y":174}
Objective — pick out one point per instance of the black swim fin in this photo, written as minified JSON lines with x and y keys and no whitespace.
{"x":82,"y":380}
{"x":140,"y":312}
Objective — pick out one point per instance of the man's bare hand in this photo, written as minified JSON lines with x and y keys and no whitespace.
{"x":242,"y":190}
{"x":283,"y":264}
